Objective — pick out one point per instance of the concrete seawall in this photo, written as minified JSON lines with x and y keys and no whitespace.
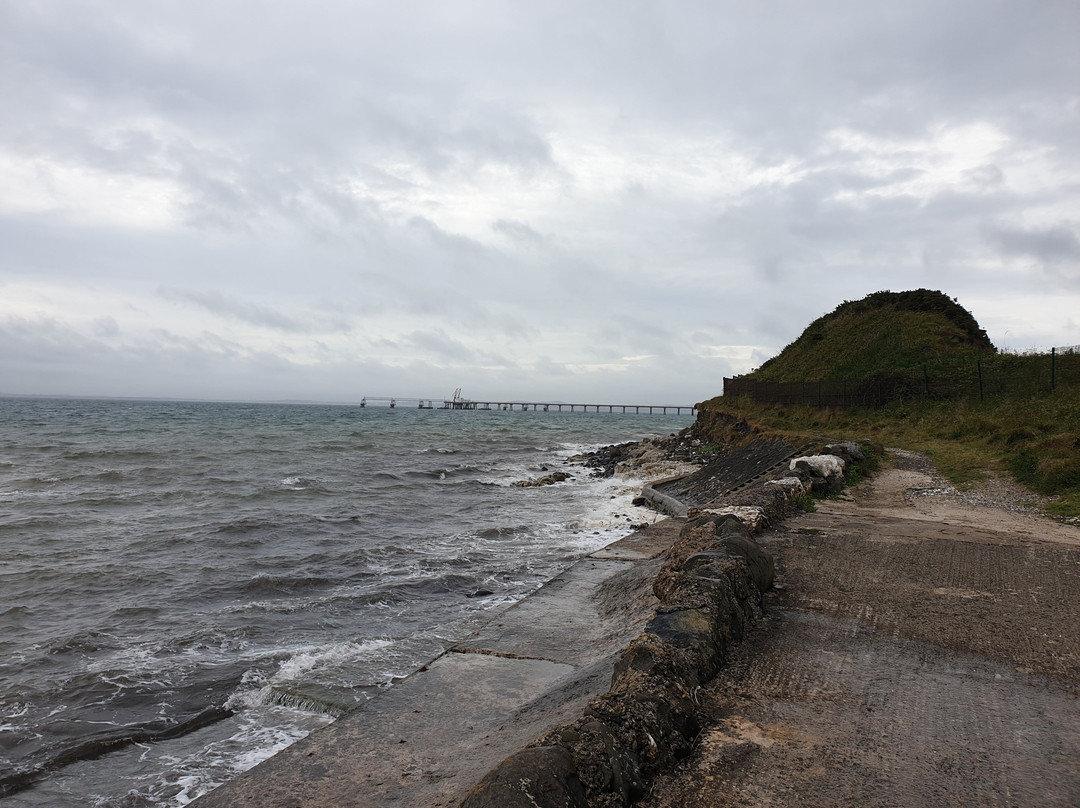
{"x":431,"y":738}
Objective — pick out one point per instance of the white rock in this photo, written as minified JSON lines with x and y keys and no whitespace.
{"x":750,"y":515}
{"x":792,"y":485}
{"x":821,"y":465}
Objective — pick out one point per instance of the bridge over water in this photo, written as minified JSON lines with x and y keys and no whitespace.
{"x":457,"y":403}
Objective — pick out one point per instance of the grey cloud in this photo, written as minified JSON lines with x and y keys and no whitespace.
{"x":327,"y":166}
{"x":443,"y":348}
{"x":106,"y":327}
{"x":221,"y":305}
{"x":518,"y":231}
{"x":1049,"y":245}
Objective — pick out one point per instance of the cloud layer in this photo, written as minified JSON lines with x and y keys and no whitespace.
{"x":617,"y":201}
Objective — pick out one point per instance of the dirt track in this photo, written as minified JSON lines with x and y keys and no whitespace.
{"x":921,"y":651}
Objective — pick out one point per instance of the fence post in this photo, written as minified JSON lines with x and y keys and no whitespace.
{"x":1053,"y":368}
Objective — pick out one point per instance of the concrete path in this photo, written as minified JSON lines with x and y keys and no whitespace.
{"x":429,"y":740}
{"x":922,"y":652}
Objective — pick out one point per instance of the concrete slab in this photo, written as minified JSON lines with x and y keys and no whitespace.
{"x":570,"y":619}
{"x":643,"y":544}
{"x":428,"y":740}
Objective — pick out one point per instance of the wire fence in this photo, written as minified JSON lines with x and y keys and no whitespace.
{"x":962,"y":377}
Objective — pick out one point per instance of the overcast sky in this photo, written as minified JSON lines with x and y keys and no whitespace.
{"x":605,"y":201}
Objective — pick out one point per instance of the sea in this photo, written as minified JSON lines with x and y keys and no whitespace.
{"x":188,"y":587}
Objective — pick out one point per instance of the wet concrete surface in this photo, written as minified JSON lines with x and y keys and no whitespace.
{"x":429,"y":739}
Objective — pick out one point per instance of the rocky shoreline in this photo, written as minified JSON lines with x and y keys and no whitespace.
{"x":709,"y":591}
{"x":593,"y":679}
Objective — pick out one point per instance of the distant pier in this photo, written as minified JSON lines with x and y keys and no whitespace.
{"x":457,"y":403}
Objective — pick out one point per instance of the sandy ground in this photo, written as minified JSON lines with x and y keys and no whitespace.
{"x":922,"y":649}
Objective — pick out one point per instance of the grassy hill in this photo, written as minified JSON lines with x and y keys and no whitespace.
{"x":1031,"y":432}
{"x":883,"y":332}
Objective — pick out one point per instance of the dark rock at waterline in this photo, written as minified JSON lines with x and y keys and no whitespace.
{"x":603,"y":461}
{"x":547,"y":479}
{"x":681,"y":447}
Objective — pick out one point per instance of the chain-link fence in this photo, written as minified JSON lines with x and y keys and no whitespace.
{"x":955,"y":378}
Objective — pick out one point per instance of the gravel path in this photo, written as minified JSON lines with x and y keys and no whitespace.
{"x":992,"y":492}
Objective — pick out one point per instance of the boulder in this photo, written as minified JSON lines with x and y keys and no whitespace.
{"x":536,"y":777}
{"x":752,"y":516}
{"x":712,"y":535}
{"x":825,"y":473}
{"x":848,"y":451}
{"x":792,"y":486}
{"x":547,"y":479}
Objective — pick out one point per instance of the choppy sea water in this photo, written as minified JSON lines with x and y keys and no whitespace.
{"x":186,"y":588}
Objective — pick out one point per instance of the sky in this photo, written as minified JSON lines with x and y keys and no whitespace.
{"x":560,"y":201}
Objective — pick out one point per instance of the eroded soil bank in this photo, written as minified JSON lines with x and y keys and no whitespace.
{"x":919,"y":650}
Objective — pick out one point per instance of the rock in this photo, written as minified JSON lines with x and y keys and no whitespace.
{"x":825,"y":473}
{"x":848,"y":451}
{"x":792,"y":486}
{"x":604,"y":764}
{"x":759,"y":563}
{"x":536,"y":777}
{"x":750,"y":515}
{"x":819,"y":465}
{"x":548,"y":479}
{"x":686,"y":629}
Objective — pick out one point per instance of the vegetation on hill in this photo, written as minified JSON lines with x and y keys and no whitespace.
{"x":882,"y":333}
{"x":1034,"y":439}
{"x":1031,"y":433}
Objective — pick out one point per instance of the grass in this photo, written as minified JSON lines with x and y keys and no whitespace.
{"x":883,"y":332}
{"x":1036,"y":440}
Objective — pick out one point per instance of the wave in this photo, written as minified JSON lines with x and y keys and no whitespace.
{"x":305,"y":702}
{"x":443,"y":473}
{"x":323,"y":680}
{"x":245,"y":525}
{"x":500,"y":532}
{"x":85,"y":642}
{"x":17,"y":612}
{"x":299,"y":483}
{"x":110,"y":454}
{"x":104,"y":742}
{"x":269,"y":583}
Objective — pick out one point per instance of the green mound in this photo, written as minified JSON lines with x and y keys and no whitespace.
{"x":883,"y":332}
